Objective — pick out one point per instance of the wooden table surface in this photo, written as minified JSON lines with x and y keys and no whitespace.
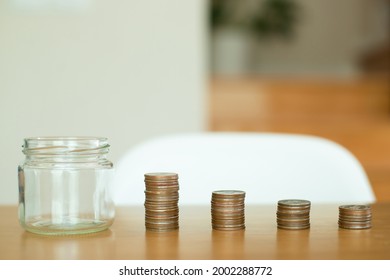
{"x":127,"y":238}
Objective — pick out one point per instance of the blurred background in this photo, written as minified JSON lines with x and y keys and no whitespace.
{"x":134,"y":69}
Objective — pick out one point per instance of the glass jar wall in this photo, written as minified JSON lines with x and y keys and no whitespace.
{"x":64,"y":185}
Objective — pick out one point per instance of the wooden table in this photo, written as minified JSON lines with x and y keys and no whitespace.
{"x":127,"y":238}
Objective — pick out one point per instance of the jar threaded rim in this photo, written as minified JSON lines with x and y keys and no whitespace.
{"x":57,"y":145}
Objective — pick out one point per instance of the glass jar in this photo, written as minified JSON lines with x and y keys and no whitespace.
{"x":64,"y":185}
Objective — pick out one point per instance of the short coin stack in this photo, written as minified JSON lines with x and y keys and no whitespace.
{"x":161,"y":201}
{"x":228,"y":210}
{"x":293,"y":214}
{"x":355,"y":216}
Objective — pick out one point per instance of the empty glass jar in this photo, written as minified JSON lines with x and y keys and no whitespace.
{"x":64,"y":185}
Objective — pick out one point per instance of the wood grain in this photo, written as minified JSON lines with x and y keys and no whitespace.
{"x":195,"y":240}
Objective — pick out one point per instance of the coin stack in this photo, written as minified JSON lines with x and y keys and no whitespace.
{"x":293,"y":214}
{"x":228,"y":210}
{"x":161,"y":201}
{"x":355,"y":216}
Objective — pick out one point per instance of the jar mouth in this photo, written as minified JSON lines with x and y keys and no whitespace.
{"x":68,"y":145}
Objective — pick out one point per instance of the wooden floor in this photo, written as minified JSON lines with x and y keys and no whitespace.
{"x":354,"y":113}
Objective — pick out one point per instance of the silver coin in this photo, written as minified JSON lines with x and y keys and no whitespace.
{"x":355,"y":207}
{"x":294,"y":202}
{"x":228,"y":193}
{"x":164,"y":175}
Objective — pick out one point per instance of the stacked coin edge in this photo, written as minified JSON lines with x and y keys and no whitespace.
{"x":228,"y":210}
{"x":293,"y":214}
{"x":355,"y":217}
{"x":161,"y":201}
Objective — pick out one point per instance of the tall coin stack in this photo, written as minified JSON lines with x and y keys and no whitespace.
{"x":293,"y":214}
{"x":355,"y":216}
{"x":228,"y":210}
{"x":161,"y":201}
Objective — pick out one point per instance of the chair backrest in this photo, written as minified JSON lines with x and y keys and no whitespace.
{"x":269,"y":167}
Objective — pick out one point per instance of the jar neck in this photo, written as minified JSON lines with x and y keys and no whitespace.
{"x":66,"y":149}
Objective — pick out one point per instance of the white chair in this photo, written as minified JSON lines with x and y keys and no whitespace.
{"x":269,"y":167}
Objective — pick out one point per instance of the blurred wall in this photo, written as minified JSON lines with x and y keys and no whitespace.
{"x":330,"y":38}
{"x":124,"y":69}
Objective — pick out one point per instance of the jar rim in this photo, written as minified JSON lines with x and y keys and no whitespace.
{"x":65,"y":145}
{"x":69,"y":138}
